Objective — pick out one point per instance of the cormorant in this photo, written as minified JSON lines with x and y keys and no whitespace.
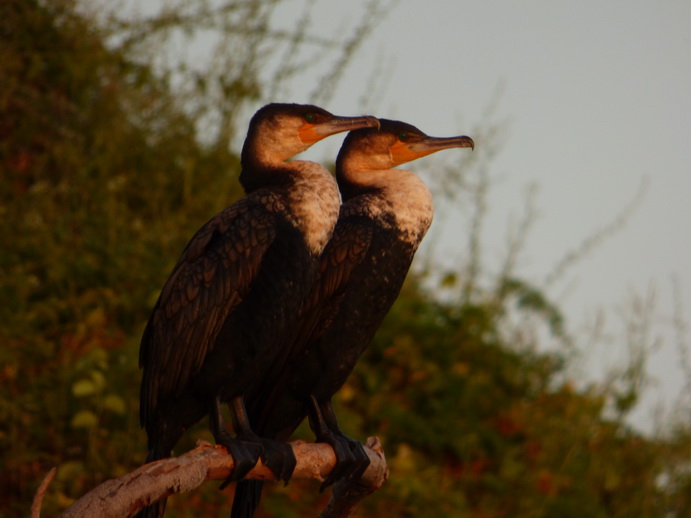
{"x":384,"y":217}
{"x":235,"y":293}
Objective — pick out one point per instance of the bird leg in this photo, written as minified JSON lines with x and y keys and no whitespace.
{"x":351,"y":458}
{"x":277,"y":456}
{"x":245,"y":454}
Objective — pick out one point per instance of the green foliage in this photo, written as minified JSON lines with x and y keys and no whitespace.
{"x":106,"y":170}
{"x":474,"y":427}
{"x":97,"y":199}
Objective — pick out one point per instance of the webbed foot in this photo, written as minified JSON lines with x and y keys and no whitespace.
{"x":245,"y":456}
{"x":351,"y":458}
{"x":279,"y":458}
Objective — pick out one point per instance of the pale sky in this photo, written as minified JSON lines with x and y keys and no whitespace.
{"x":598,"y":95}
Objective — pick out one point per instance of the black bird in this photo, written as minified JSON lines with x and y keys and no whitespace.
{"x":235,"y":294}
{"x":384,"y":217}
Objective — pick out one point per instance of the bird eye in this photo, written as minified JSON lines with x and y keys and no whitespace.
{"x":403,"y":137}
{"x":309,"y":117}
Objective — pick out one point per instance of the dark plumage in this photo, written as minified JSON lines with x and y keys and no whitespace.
{"x":237,"y":290}
{"x":384,"y":217}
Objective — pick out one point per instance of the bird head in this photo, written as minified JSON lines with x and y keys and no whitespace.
{"x":280,"y":131}
{"x":393,"y":144}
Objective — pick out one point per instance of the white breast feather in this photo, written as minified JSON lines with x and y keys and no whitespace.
{"x":412,"y":205}
{"x":404,"y":196}
{"x":315,"y":202}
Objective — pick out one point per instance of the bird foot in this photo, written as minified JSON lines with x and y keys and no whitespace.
{"x":246,"y":451}
{"x":279,"y":458}
{"x":245,"y":456}
{"x":351,"y":458}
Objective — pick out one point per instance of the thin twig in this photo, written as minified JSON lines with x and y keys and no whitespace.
{"x":41,"y":492}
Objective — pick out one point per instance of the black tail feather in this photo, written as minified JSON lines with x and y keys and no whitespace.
{"x":248,"y":493}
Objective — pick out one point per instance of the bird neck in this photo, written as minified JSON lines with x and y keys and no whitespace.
{"x":257,"y":176}
{"x":264,"y":160}
{"x":267,"y":149}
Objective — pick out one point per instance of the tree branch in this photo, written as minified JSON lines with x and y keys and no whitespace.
{"x":40,"y":493}
{"x":124,"y":496}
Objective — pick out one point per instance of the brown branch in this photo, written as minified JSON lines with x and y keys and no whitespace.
{"x":40,"y":493}
{"x":124,"y":496}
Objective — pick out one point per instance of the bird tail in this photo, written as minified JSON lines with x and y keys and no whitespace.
{"x":154,"y":510}
{"x":246,"y":499}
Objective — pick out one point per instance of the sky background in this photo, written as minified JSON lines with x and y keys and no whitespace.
{"x":596,"y":99}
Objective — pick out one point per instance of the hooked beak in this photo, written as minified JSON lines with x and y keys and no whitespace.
{"x":311,"y":133}
{"x":403,"y":152}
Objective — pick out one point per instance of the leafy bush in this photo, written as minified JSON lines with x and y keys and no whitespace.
{"x":106,"y":172}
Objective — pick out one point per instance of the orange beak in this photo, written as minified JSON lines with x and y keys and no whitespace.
{"x":403,"y":152}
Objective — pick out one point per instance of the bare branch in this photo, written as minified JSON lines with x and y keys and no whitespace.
{"x":40,"y":493}
{"x":124,"y":496}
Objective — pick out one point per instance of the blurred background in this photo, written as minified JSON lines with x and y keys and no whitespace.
{"x":536,"y":363}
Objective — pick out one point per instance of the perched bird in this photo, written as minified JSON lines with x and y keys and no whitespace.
{"x":236,"y":292}
{"x":384,"y":217}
